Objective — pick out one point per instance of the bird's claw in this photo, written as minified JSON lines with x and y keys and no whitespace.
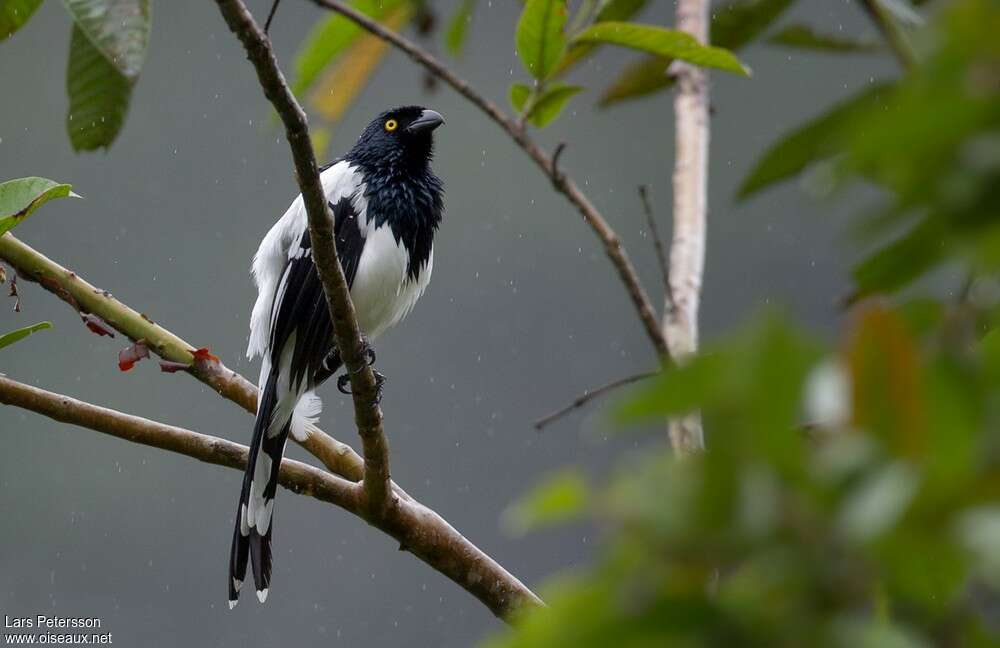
{"x":344,"y":380}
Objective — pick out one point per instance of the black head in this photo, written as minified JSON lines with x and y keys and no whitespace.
{"x":398,"y":139}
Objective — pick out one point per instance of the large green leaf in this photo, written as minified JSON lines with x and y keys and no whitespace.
{"x":550,"y":104}
{"x":329,"y":38}
{"x":737,"y":23}
{"x":619,"y":9}
{"x":8,"y":339}
{"x":519,"y":93}
{"x":540,"y":39}
{"x":98,"y":96}
{"x":816,"y":140}
{"x":458,"y":28}
{"x":663,"y":42}
{"x":19,"y":198}
{"x":805,"y":37}
{"x":14,"y":13}
{"x":119,"y":29}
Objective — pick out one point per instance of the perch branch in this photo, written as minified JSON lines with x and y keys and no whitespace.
{"x":31,"y":265}
{"x":347,"y":334}
{"x":418,"y":529}
{"x":565,"y":185}
{"x":590,"y":395}
{"x":661,"y":254}
{"x":687,"y":250}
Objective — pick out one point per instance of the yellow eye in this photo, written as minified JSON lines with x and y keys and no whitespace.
{"x":391,"y":125}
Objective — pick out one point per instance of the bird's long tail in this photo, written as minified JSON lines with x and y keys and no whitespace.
{"x":252,"y":535}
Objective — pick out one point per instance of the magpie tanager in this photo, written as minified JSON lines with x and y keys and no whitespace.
{"x":386,"y":204}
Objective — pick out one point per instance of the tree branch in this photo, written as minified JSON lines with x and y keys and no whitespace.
{"x":687,"y":250}
{"x":31,"y":265}
{"x":661,"y":255}
{"x":613,"y":247}
{"x":590,"y":395}
{"x":367,"y":414}
{"x":418,"y":529}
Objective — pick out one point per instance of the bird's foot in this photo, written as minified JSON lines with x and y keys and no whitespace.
{"x":345,"y":380}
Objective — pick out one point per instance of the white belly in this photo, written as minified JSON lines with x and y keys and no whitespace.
{"x":382,"y":293}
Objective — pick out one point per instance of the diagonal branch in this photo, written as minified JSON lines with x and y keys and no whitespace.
{"x":613,"y":247}
{"x":589,"y":395}
{"x":418,"y":529}
{"x":367,"y":414}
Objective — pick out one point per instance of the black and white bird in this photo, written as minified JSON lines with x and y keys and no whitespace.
{"x":386,"y":204}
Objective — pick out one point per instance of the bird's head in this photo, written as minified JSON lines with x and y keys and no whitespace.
{"x":398,"y":139}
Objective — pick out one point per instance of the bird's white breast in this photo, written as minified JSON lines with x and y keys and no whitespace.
{"x":383,"y":294}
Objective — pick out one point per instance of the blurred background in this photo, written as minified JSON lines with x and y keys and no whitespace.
{"x":524,"y":312}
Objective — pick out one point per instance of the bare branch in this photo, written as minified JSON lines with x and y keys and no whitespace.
{"x":661,"y":254}
{"x":564,"y":184}
{"x":270,"y":15}
{"x":687,"y":250}
{"x":367,"y":414}
{"x":418,"y":529}
{"x":590,"y":395}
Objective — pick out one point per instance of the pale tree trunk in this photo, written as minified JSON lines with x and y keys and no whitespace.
{"x":687,"y":250}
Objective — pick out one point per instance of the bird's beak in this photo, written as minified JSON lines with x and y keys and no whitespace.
{"x":426,"y":122}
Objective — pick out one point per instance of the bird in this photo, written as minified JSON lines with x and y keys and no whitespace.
{"x":387,"y":205}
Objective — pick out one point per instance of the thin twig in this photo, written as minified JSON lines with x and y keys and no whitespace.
{"x":418,"y":529}
{"x":270,"y":15}
{"x":590,"y":395}
{"x":613,"y":247}
{"x":690,"y":180}
{"x":347,"y":333}
{"x":661,"y":254}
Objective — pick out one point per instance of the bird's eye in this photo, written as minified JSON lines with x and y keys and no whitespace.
{"x":391,"y":125}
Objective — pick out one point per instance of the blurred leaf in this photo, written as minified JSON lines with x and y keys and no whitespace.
{"x":737,"y":23}
{"x":663,"y":42}
{"x":519,"y":94}
{"x":14,"y":14}
{"x":546,"y":107}
{"x":328,"y":38}
{"x":458,"y":27}
{"x":877,"y":503}
{"x":805,"y":37}
{"x":118,"y":29}
{"x":900,"y":262}
{"x":19,"y":198}
{"x":540,"y":38}
{"x":320,"y":137}
{"x":15,"y":336}
{"x":638,"y":79}
{"x":99,"y":96}
{"x":818,"y":139}
{"x":979,"y":531}
{"x":560,"y":498}
{"x":343,"y":82}
{"x":887,"y":383}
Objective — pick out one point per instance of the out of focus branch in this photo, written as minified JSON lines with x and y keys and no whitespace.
{"x":687,"y":250}
{"x":418,"y":529}
{"x":565,"y":185}
{"x":347,"y":333}
{"x":590,"y":395}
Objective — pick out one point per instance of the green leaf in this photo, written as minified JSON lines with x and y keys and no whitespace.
{"x":737,"y":23}
{"x":612,"y":10}
{"x":540,"y":39}
{"x":663,"y":42}
{"x":118,"y":29}
{"x":816,"y":140}
{"x":15,"y":336}
{"x":638,"y":79}
{"x":458,"y":28}
{"x":329,"y":38}
{"x":19,"y":198}
{"x":805,"y":37}
{"x":14,"y":14}
{"x":551,"y":103}
{"x":561,"y":498}
{"x":519,"y":94}
{"x":99,"y":96}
